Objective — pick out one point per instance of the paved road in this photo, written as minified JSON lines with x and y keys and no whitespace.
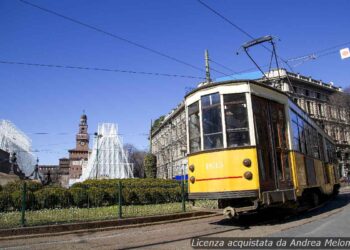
{"x":335,"y":225}
{"x":330,"y":220}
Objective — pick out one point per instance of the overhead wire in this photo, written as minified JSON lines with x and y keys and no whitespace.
{"x":223,"y":66}
{"x":239,"y":28}
{"x":111,"y":34}
{"x":319,"y":51}
{"x":98,"y":69}
{"x":117,"y":36}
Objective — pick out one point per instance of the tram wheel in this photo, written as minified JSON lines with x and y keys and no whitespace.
{"x":315,"y":199}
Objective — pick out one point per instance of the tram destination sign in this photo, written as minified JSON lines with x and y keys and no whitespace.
{"x":344,"y":53}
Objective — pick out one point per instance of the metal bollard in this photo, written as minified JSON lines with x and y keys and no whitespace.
{"x":23,"y":208}
{"x":120,"y":214}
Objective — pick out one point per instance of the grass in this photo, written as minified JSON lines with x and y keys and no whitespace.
{"x":206,"y":204}
{"x":67,"y":215}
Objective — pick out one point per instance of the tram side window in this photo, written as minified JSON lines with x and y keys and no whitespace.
{"x":331,"y":152}
{"x":194,"y":127}
{"x":211,"y":117}
{"x":301,"y":126}
{"x":298,"y":126}
{"x":305,"y":139}
{"x":236,"y":118}
{"x":315,"y":146}
{"x":320,"y":145}
{"x":295,"y":128}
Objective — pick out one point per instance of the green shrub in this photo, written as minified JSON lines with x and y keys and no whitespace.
{"x":95,"y":196}
{"x":146,"y":196}
{"x":52,"y":198}
{"x":150,"y":163}
{"x":172,"y":194}
{"x":79,"y":197}
{"x":18,"y":185}
{"x":111,"y":195}
{"x":130,"y":196}
{"x":16,"y":199}
{"x":5,"y":201}
{"x":90,"y":193}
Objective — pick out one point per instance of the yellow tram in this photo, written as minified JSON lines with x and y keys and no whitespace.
{"x":250,"y":146}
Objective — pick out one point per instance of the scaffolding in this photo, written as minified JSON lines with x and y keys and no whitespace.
{"x":13,"y":140}
{"x":108,"y":160}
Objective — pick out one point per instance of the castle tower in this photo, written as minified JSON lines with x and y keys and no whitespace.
{"x":82,"y":138}
{"x":78,"y":157}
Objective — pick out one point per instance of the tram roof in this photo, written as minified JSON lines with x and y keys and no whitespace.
{"x":214,"y":84}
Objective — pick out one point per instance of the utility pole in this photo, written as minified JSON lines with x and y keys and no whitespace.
{"x":150,"y":138}
{"x":13,"y":160}
{"x":207,"y":68}
{"x":97,"y":136}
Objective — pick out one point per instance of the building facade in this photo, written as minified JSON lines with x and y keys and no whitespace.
{"x":57,"y":174}
{"x":168,"y":144}
{"x":317,"y":98}
{"x":63,"y":178}
{"x":50,"y":173}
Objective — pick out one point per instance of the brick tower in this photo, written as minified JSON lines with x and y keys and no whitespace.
{"x":78,"y":157}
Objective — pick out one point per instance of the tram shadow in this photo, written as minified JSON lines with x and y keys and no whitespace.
{"x":278,"y":215}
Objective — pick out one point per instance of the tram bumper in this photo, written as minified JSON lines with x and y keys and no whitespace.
{"x":223,"y":195}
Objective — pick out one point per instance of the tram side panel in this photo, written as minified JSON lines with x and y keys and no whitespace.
{"x":315,"y":175}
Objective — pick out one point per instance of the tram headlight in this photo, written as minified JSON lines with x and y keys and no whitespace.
{"x":247,"y":162}
{"x":191,"y":168}
{"x":248,"y":175}
{"x":192,"y":179}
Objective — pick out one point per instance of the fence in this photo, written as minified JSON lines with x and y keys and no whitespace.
{"x":28,"y":206}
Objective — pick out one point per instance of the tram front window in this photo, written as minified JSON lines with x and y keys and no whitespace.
{"x":211,"y":117}
{"x":236,"y":120}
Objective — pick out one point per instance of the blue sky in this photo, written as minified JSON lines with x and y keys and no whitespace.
{"x":51,"y":100}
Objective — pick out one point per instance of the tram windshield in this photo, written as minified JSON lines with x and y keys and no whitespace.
{"x":212,"y":125}
{"x":219,"y":119}
{"x":237,"y":131}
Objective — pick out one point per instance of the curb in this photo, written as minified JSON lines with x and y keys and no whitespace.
{"x":95,"y":226}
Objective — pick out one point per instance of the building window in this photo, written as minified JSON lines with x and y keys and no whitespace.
{"x":307,"y":93}
{"x":194,"y":127}
{"x":320,"y":112}
{"x":212,"y":126}
{"x":330,"y":112}
{"x":236,"y":120}
{"x":308,"y":107}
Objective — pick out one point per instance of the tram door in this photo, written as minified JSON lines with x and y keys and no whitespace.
{"x":271,"y":140}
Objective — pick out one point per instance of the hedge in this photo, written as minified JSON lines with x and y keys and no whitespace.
{"x":91,"y":193}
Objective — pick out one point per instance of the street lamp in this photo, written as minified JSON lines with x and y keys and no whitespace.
{"x":97,"y":137}
{"x":13,"y":163}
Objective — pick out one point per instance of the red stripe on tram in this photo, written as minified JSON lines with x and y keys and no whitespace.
{"x":220,"y":178}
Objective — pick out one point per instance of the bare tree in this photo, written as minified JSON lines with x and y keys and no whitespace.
{"x":136,"y":156}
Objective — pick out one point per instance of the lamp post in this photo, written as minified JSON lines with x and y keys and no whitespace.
{"x":97,"y":137}
{"x":13,"y":163}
